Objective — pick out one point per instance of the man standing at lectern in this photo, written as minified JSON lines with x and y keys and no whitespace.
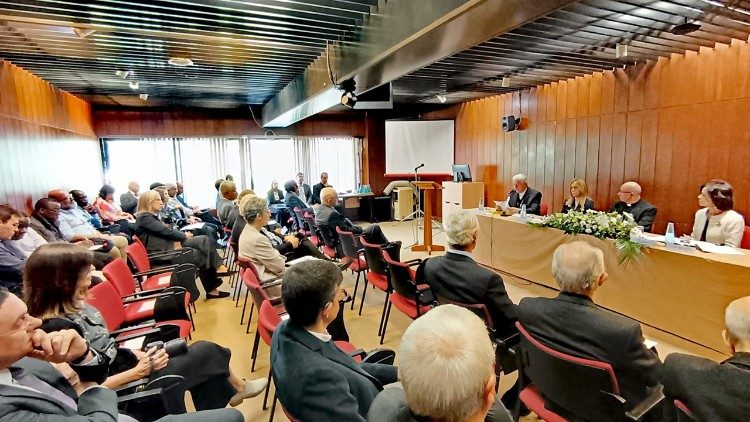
{"x":522,"y":194}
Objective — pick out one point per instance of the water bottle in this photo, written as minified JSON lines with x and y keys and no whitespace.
{"x":523,"y":211}
{"x":481,"y":204}
{"x":669,"y":235}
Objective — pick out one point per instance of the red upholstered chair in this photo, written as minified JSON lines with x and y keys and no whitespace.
{"x":408,"y":297}
{"x":745,"y":243}
{"x":257,"y":290}
{"x":118,"y":315}
{"x":543,"y":208}
{"x":315,"y":236}
{"x":377,"y":275}
{"x":684,"y":414}
{"x":355,"y":254}
{"x":301,"y":222}
{"x":580,"y":388}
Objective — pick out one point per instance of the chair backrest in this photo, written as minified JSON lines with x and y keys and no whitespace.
{"x":184,"y":276}
{"x":401,"y":277}
{"x":331,"y":239}
{"x":268,"y":320}
{"x":299,"y":218}
{"x":139,"y":256}
{"x":478,"y":309}
{"x":108,"y":302}
{"x":374,"y":257}
{"x":162,"y":396}
{"x":584,"y":388}
{"x":543,"y":208}
{"x":118,"y":273}
{"x":310,"y":220}
{"x":745,"y":243}
{"x":348,"y":244}
{"x":251,"y":279}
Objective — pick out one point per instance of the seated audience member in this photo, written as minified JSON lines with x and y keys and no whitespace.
{"x":315,"y":380}
{"x":275,"y":195}
{"x":227,"y":209}
{"x":12,"y":259}
{"x":631,"y":202}
{"x":175,"y":218}
{"x":159,"y":237}
{"x":44,"y":221}
{"x":572,"y":323}
{"x":75,"y":225}
{"x":217,"y":183}
{"x":292,"y":198}
{"x":56,"y":281}
{"x":715,"y":391}
{"x":446,"y":368}
{"x":26,"y":239}
{"x":315,"y":197}
{"x":204,"y":215}
{"x":129,"y":199}
{"x":304,"y":191}
{"x":329,"y":216}
{"x":264,"y":247}
{"x":82,"y":201}
{"x":457,"y":277}
{"x":110,"y":213}
{"x":717,"y":222}
{"x":522,"y":194}
{"x":579,"y":200}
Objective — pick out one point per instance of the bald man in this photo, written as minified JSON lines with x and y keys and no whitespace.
{"x":715,"y":391}
{"x":129,"y":199}
{"x":630,"y":202}
{"x":327,"y":215}
{"x":572,"y":323}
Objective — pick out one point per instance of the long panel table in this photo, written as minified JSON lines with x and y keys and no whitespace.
{"x":680,"y":291}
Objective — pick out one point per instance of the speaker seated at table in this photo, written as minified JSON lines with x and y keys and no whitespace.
{"x":522,"y":194}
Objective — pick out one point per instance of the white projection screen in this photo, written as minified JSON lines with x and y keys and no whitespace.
{"x":409,"y":143}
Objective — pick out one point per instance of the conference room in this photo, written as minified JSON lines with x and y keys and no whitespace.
{"x":375,"y":210}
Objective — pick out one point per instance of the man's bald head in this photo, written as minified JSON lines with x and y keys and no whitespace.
{"x":737,"y":319}
{"x":578,"y":267}
{"x":134,"y":187}
{"x":630,"y":192}
{"x":62,"y":197}
{"x":328,"y":196}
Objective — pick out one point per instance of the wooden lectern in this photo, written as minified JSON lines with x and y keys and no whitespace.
{"x":429,"y":195}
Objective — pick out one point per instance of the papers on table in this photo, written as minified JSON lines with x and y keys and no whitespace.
{"x":712,"y":248}
{"x":298,"y":260}
{"x":196,"y":226}
{"x":134,"y":343}
{"x":147,"y":306}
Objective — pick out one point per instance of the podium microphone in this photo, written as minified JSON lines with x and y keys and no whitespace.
{"x":419,"y":167}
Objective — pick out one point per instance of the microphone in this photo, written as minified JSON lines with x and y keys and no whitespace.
{"x":419,"y":167}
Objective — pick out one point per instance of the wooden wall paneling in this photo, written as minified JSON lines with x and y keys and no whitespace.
{"x":701,"y":134}
{"x":523,"y":134}
{"x":622,"y":82}
{"x":608,"y":92}
{"x":506,"y":159}
{"x":581,"y":144}
{"x":705,"y":86}
{"x":740,"y":154}
{"x":617,"y":166}
{"x":678,"y":179}
{"x":742,"y":80}
{"x":633,"y":145}
{"x":531,"y":128}
{"x":595,"y":94}
{"x":720,"y":141}
{"x":558,"y":175}
{"x":651,"y":84}
{"x":726,"y":57}
{"x":551,"y":94}
{"x":584,"y":88}
{"x":605,"y":195}
{"x":541,"y":137}
{"x":571,"y":102}
{"x":514,"y":136}
{"x":637,"y":86}
{"x":562,"y":100}
{"x":647,"y":165}
{"x":592,"y":159}
{"x":569,"y":157}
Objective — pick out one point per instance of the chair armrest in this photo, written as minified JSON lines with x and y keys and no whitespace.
{"x":132,"y":327}
{"x":507,"y":344}
{"x":155,"y":271}
{"x":358,"y":352}
{"x":412,"y":262}
{"x":144,"y":294}
{"x":655,"y":396}
{"x":275,"y":301}
{"x":164,"y":253}
{"x":131,"y":385}
{"x":137,"y":335}
{"x":128,"y":299}
{"x":271,"y":283}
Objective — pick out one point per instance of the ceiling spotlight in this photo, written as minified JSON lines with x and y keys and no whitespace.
{"x":506,"y":82}
{"x":83,"y":33}
{"x":144,"y":97}
{"x":348,"y":99}
{"x":134,"y":84}
{"x":621,"y":50}
{"x":685,"y":28}
{"x":180,"y":61}
{"x":441,"y":98}
{"x":122,"y":73}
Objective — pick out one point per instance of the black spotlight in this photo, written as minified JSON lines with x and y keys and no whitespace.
{"x":685,"y":28}
{"x":349,"y":99}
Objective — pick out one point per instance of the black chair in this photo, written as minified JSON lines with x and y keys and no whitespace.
{"x":561,"y":387}
{"x":411,"y":299}
{"x":331,"y":243}
{"x":354,"y":251}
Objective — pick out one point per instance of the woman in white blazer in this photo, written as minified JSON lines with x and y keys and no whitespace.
{"x":716,"y":222}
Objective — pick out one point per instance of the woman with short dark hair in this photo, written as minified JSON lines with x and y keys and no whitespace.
{"x":717,"y":222}
{"x":56,"y":282}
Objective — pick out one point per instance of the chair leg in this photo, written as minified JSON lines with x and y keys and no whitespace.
{"x":273,"y":406}
{"x":356,"y":284}
{"x":385,"y":323}
{"x":250,"y":318}
{"x":382,"y":315}
{"x":244,"y":307}
{"x":268,"y":387}
{"x":190,"y":314}
{"x":238,"y":290}
{"x":255,"y":350}
{"x":364,"y":292}
{"x":195,"y":310}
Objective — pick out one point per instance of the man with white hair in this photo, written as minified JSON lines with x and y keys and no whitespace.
{"x":715,"y":391}
{"x":630,"y":202}
{"x":327,"y":215}
{"x":522,"y":194}
{"x":572,"y":323}
{"x":446,"y":367}
{"x":458,"y":278}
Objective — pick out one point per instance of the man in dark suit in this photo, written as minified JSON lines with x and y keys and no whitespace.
{"x":327,"y":215}
{"x":304,"y":192}
{"x":630,"y":202}
{"x":129,"y":199}
{"x":715,"y":391}
{"x":572,"y":323}
{"x":457,"y":277}
{"x":315,"y":198}
{"x":292,"y":198}
{"x":315,"y":380}
{"x":522,"y":194}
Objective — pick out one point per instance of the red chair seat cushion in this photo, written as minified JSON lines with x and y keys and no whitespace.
{"x":378,"y":280}
{"x":329,"y":251}
{"x":159,"y":281}
{"x":315,"y":241}
{"x":358,"y":265}
{"x":347,"y":348}
{"x":532,"y":398}
{"x":407,"y":306}
{"x":139,"y":311}
{"x":185,"y":328}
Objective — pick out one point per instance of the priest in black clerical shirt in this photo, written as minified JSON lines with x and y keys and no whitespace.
{"x":630,"y":202}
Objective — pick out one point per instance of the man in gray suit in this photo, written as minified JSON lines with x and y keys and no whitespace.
{"x":129,"y":199}
{"x":316,"y":380}
{"x":572,"y":323}
{"x":34,"y":390}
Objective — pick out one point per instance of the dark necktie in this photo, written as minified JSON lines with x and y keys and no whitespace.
{"x":705,"y":228}
{"x":27,"y":379}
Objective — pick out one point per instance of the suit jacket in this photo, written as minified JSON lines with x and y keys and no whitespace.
{"x":332,"y":218}
{"x":713,"y":391}
{"x":305,"y":193}
{"x":316,"y":381}
{"x":315,"y":197}
{"x":293,"y":201}
{"x":156,"y":235}
{"x":574,"y":324}
{"x":459,"y":278}
{"x":532,"y":198}
{"x":23,"y":405}
{"x":588,"y":204}
{"x":643,"y":212}
{"x":227,"y":211}
{"x":128,"y":202}
{"x":256,"y":247}
{"x":272,"y":194}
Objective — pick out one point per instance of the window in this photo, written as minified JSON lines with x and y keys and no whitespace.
{"x":271,"y":159}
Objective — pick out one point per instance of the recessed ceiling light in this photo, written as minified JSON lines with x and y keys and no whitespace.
{"x":441,"y":98}
{"x":83,"y":33}
{"x":180,"y":62}
{"x":506,"y":82}
{"x":122,"y":73}
{"x":134,"y":84}
{"x":144,"y":97}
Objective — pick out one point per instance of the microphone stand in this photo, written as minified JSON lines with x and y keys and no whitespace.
{"x":416,"y":215}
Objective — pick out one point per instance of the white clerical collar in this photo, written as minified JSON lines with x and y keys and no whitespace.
{"x":5,"y":377}
{"x":322,"y":337}
{"x":521,"y":194}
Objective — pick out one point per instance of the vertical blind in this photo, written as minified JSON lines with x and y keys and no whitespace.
{"x":253,"y":162}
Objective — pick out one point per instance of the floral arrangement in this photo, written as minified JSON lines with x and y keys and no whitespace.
{"x":599,"y":224}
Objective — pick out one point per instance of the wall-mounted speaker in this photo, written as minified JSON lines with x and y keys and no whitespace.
{"x":510,"y":123}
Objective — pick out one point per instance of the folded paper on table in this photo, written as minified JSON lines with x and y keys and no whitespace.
{"x":712,"y":248}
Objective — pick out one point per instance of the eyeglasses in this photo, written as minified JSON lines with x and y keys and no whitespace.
{"x":625,"y":193}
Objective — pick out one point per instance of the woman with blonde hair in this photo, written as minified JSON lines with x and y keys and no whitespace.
{"x":579,"y":200}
